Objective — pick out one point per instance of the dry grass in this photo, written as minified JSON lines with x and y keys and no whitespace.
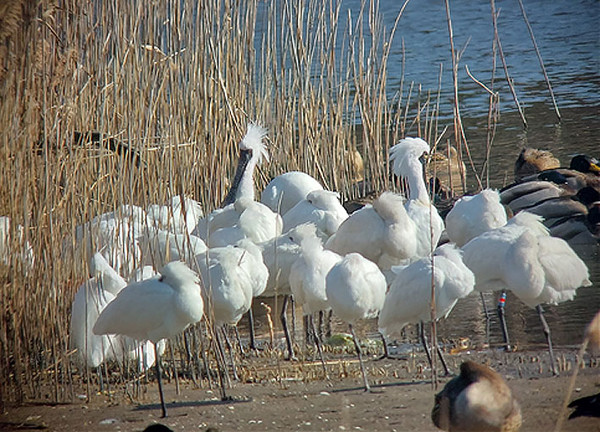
{"x":176,"y":81}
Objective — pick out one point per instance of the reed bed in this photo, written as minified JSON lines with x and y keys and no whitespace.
{"x":176,"y":82}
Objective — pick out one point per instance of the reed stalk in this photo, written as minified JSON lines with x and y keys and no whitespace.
{"x":504,"y":65}
{"x":539,"y":56}
{"x":175,"y":82}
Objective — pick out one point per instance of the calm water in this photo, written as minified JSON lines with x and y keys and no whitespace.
{"x":568,"y":37}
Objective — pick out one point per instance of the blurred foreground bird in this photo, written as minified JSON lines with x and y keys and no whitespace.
{"x":475,"y":401}
{"x":588,"y":406}
{"x":155,"y":309}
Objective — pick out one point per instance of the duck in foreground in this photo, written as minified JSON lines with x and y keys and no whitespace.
{"x":477,"y":400}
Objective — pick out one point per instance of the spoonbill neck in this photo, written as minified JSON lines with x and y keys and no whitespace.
{"x":243,"y":181}
{"x":416,"y":184}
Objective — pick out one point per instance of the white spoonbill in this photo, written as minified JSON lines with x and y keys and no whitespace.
{"x":177,"y":217}
{"x":407,"y":159}
{"x":255,"y":222}
{"x":382,"y":232}
{"x":288,"y":189}
{"x":474,"y":215}
{"x":355,"y":290}
{"x":279,"y":254}
{"x":477,"y":400}
{"x":523,"y":258}
{"x":90,"y":300}
{"x":232,"y":276}
{"x":252,"y":152}
{"x":320,"y":207}
{"x":115,"y":235}
{"x":471,"y":216}
{"x":24,"y":252}
{"x":159,"y":247}
{"x":307,"y":278}
{"x":155,"y":309}
{"x":408,"y":300}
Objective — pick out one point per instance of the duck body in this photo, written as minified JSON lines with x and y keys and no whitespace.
{"x":477,"y":400}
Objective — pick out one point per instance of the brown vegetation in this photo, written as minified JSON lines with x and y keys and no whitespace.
{"x":177,"y":83}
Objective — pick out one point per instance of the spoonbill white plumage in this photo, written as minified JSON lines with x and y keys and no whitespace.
{"x":252,"y":152}
{"x":155,"y":309}
{"x":320,"y":207}
{"x":286,"y":190}
{"x":307,"y":278}
{"x":7,"y":242}
{"x":408,"y":300}
{"x":255,"y":222}
{"x":382,"y":232}
{"x":471,"y":216}
{"x":90,"y":300}
{"x":477,"y":400}
{"x":232,"y":276}
{"x":177,"y":217}
{"x":474,"y":215}
{"x":115,"y":235}
{"x":407,"y":162}
{"x":355,"y":290}
{"x":523,"y":258}
{"x":279,"y":254}
{"x":307,"y":274}
{"x":159,"y":247}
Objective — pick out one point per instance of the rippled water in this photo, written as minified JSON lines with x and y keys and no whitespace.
{"x":568,"y":38}
{"x":566,"y":34}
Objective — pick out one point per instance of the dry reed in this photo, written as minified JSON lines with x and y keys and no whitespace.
{"x":177,"y":82}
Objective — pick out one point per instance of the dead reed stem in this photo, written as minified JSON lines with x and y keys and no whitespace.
{"x":539,"y":56}
{"x":177,"y":83}
{"x":505,"y":67}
